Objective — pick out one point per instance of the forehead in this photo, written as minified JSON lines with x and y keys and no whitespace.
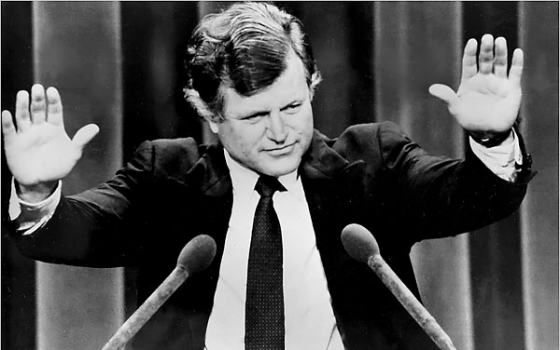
{"x":290,"y":85}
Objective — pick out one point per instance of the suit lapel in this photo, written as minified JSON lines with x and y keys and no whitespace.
{"x":330,"y":181}
{"x":211,"y":183}
{"x":333,"y":188}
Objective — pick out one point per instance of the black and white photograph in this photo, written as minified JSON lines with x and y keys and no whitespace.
{"x":283,"y":175}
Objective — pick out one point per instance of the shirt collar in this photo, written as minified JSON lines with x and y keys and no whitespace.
{"x":244,"y":179}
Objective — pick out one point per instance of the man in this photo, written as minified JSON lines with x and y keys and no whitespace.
{"x":274,"y":194}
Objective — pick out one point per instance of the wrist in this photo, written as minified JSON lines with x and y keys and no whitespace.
{"x":489,"y":139}
{"x":35,"y":193}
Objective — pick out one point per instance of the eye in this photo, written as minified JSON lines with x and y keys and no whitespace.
{"x":292,"y":107}
{"x":254,"y":118}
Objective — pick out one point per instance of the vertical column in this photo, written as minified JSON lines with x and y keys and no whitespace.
{"x":538,"y":33}
{"x":416,"y":45}
{"x":76,"y":48}
{"x":154,"y":37}
{"x":496,"y":249}
{"x":341,"y":36}
{"x":18,"y":272}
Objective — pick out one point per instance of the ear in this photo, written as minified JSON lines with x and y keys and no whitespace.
{"x":213,"y":125}
{"x":311,"y":92}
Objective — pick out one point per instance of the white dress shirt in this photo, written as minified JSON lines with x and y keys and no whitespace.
{"x":309,"y":317}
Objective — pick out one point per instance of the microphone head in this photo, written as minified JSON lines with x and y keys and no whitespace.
{"x":359,"y":242}
{"x":197,"y":254}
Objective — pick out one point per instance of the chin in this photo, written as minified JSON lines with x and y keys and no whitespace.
{"x":279,"y":168}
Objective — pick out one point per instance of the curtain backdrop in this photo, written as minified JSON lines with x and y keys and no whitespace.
{"x":119,"y":65}
{"x":77,"y":308}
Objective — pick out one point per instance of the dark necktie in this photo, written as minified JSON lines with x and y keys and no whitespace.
{"x":264,"y":306}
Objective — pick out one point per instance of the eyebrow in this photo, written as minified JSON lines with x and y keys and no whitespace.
{"x":251,"y":114}
{"x":294,"y":101}
{"x":254,"y":113}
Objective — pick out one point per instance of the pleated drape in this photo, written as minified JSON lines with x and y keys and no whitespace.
{"x":538,"y":33}
{"x":76,"y":47}
{"x":119,"y":64}
{"x":416,"y":45}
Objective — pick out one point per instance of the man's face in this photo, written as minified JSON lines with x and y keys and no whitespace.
{"x":270,"y":131}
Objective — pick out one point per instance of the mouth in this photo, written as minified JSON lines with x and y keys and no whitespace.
{"x":281,"y":150}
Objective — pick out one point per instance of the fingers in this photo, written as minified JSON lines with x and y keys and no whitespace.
{"x":43,"y":107}
{"x":493,"y":58}
{"x":85,"y":134}
{"x":516,"y":66}
{"x":8,"y":127}
{"x":23,"y":120}
{"x":445,"y":93}
{"x":38,"y":104}
{"x":469,"y":60}
{"x":54,"y":106}
{"x":500,"y":59}
{"x":486,"y":56}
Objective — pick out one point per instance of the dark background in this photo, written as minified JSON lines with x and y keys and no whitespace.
{"x":119,"y":65}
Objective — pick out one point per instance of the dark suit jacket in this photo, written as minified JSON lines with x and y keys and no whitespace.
{"x":372,"y":174}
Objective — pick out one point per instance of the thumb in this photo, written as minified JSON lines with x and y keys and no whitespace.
{"x":444,"y":93}
{"x":85,"y":134}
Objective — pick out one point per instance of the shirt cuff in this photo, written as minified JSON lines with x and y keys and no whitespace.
{"x":29,"y":217}
{"x":500,"y":159}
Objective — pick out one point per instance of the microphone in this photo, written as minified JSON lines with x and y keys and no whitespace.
{"x":362,"y":246}
{"x":196,"y":256}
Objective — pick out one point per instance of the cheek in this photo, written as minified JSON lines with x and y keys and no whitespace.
{"x":307,"y":131}
{"x":241,"y":140}
{"x":303,"y":123}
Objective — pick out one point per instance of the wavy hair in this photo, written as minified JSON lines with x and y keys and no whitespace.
{"x":244,"y":47}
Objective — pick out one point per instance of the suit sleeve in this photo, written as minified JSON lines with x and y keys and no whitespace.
{"x":441,"y":196}
{"x":92,"y":228}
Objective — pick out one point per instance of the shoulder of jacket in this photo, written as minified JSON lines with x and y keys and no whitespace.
{"x":367,"y":129}
{"x":177,"y":154}
{"x":369,"y":140}
{"x":360,"y":134}
{"x":183,"y":144}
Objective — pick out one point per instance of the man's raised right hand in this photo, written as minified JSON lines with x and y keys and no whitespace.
{"x":38,"y":149}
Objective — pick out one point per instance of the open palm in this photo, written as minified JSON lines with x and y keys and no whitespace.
{"x":487,"y":100}
{"x":38,"y":149}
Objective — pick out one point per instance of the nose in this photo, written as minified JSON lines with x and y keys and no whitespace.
{"x":276,"y":127}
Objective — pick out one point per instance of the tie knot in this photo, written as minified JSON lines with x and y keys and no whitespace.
{"x":267,"y":185}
